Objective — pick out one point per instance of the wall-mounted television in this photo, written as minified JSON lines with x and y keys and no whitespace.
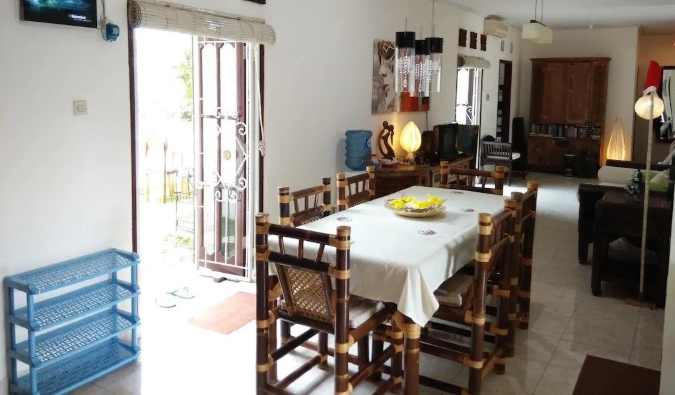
{"x":62,"y":12}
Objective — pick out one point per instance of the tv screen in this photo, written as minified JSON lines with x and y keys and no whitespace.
{"x":447,"y":141}
{"x":61,"y":12}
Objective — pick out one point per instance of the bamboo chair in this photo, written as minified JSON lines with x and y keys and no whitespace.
{"x":310,"y":299}
{"x":528,"y":203}
{"x":462,"y":300}
{"x":309,"y":204}
{"x":355,"y":189}
{"x":463,"y":177}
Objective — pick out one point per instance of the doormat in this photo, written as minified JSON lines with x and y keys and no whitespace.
{"x":602,"y":376}
{"x":228,"y":315}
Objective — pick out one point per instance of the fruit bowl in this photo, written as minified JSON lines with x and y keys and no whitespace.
{"x":409,"y":206}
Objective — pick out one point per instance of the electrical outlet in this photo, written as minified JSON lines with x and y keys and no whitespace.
{"x":79,"y":107}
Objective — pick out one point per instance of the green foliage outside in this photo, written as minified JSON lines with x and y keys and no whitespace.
{"x":185,"y":74}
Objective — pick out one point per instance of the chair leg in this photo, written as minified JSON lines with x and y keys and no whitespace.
{"x":397,"y":360}
{"x":363,"y":353}
{"x":323,"y":350}
{"x":525,"y":282}
{"x":510,"y":166}
{"x":378,"y":349}
{"x":272,"y":346}
{"x":285,"y":331}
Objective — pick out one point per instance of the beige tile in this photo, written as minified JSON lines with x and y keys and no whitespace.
{"x":521,"y":376}
{"x":649,"y":334}
{"x":561,"y":307}
{"x":439,"y":368}
{"x":92,"y":389}
{"x":533,"y":346}
{"x":571,"y":355}
{"x":548,"y":324}
{"x":557,"y":380}
{"x":605,"y":331}
{"x":650,"y":360}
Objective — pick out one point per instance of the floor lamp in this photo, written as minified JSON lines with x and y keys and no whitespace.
{"x":648,"y":107}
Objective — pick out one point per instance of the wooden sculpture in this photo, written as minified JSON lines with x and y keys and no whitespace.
{"x":384,"y":141}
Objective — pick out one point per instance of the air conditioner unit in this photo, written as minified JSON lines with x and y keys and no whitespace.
{"x":493,"y":27}
{"x":537,"y":32}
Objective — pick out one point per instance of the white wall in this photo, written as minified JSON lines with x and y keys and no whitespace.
{"x":660,"y":49}
{"x":620,"y":44}
{"x":66,"y":180}
{"x":65,"y":187}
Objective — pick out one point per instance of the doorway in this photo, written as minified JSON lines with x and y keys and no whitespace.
{"x":195,"y":157}
{"x":504,"y":101}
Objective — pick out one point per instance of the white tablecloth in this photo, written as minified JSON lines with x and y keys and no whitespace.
{"x":403,"y":260}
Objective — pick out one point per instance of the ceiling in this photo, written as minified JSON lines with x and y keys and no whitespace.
{"x":657,"y":16}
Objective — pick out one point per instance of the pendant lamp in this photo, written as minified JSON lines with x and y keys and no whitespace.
{"x":421,"y":86}
{"x":435,"y":45}
{"x":404,"y":64}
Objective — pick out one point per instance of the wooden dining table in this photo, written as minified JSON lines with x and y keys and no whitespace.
{"x":402,"y":260}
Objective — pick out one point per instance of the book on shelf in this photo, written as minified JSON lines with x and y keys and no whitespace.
{"x":565,"y":131}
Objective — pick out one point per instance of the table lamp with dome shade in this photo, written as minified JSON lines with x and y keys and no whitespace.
{"x":648,"y":107}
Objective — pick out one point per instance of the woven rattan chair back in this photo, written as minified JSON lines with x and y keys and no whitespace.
{"x":527,"y":203}
{"x":458,"y":178}
{"x":309,"y":204}
{"x":355,"y":189}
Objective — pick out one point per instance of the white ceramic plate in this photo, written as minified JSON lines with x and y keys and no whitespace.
{"x":421,"y":214}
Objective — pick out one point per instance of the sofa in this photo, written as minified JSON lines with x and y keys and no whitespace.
{"x":613,"y":177}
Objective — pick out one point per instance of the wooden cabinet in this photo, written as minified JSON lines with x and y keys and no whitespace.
{"x":567,"y":109}
{"x":569,"y":91}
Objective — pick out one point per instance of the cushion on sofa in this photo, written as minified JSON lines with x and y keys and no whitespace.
{"x":617,"y":176}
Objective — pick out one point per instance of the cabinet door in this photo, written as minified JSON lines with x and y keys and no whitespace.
{"x":537,"y":92}
{"x":579,"y":76}
{"x":556,"y":157}
{"x":538,"y":150}
{"x":598,"y":91}
{"x":554,"y":93}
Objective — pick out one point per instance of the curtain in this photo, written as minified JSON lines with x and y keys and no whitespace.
{"x":473,"y":62}
{"x":198,"y":22}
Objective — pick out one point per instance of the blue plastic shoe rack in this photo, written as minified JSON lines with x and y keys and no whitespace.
{"x":73,"y":337}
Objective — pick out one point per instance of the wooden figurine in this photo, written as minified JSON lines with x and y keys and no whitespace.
{"x":384,"y":141}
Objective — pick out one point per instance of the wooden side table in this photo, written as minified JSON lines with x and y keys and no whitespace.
{"x":460,"y":163}
{"x":619,"y":215}
{"x":390,"y":179}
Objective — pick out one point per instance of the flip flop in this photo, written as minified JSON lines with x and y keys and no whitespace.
{"x":183,"y":293}
{"x":165,"y":302}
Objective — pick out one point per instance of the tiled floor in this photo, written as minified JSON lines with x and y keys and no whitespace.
{"x":567,"y":323}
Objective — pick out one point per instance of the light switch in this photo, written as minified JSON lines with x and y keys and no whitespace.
{"x":79,"y":107}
